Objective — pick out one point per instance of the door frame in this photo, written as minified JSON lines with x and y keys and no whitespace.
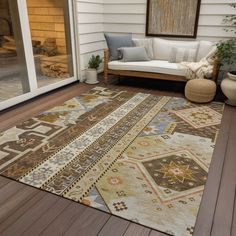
{"x":28,"y":51}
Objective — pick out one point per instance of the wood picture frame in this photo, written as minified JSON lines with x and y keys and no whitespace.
{"x":172,"y":18}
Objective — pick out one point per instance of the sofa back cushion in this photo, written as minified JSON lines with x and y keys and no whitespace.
{"x":162,"y":47}
{"x":147,"y":44}
{"x":204,"y":48}
{"x":117,"y":41}
{"x":182,"y":54}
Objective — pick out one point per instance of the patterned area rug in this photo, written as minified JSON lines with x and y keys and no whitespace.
{"x":138,"y":156}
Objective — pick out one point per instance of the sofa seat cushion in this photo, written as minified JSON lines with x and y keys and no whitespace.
{"x":154,"y":66}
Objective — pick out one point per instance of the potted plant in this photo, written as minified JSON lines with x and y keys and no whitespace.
{"x":226,"y":53}
{"x":91,"y":72}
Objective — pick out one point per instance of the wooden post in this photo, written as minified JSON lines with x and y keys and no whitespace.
{"x":106,"y":60}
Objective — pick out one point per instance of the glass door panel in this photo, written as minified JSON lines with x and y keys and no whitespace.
{"x":37,"y":48}
{"x":51,"y":40}
{"x":13,"y":70}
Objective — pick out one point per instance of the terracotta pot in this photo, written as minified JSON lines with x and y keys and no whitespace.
{"x":228,"y":86}
{"x":91,"y":76}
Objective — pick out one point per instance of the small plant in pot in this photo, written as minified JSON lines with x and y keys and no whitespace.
{"x":91,"y":72}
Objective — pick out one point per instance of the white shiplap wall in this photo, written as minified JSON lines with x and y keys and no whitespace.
{"x":123,"y":16}
{"x":91,"y":28}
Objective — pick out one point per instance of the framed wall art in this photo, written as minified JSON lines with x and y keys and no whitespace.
{"x":172,"y":18}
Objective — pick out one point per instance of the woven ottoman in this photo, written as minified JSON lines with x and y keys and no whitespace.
{"x":200,"y":90}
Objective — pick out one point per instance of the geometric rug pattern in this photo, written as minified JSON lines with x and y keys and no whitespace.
{"x":139,"y":156}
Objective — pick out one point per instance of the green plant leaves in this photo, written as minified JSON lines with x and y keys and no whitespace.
{"x":94,"y":62}
{"x":226,"y":50}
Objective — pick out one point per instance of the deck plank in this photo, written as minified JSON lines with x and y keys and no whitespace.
{"x":233,"y":228}
{"x":225,"y":204}
{"x":207,"y":208}
{"x":116,"y":223}
{"x":12,"y":204}
{"x":46,"y":219}
{"x":89,"y":222}
{"x":156,"y":233}
{"x":18,"y":227}
{"x":4,"y":181}
{"x":62,"y":222}
{"x":9,"y":190}
{"x":21,"y":211}
{"x":137,"y":230}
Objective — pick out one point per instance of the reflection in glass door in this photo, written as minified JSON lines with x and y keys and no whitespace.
{"x":51,"y":40}
{"x":37,"y":48}
{"x":13,"y":71}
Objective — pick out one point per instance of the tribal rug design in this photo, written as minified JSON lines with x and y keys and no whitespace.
{"x":138,"y":156}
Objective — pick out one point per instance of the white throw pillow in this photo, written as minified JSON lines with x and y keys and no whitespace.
{"x":182,"y":54}
{"x":147,"y":44}
{"x":162,"y":47}
{"x":204,"y":48}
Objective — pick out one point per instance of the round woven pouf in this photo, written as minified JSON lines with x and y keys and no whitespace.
{"x":200,"y":90}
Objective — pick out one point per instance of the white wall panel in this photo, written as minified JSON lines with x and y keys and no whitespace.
{"x":90,"y":38}
{"x":92,"y":47}
{"x":144,"y":1}
{"x":85,"y":18}
{"x":90,"y":7}
{"x":125,"y":8}
{"x":90,"y":25}
{"x":90,"y":28}
{"x":141,"y":19}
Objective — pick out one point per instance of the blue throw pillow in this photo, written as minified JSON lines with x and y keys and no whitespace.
{"x":117,"y":41}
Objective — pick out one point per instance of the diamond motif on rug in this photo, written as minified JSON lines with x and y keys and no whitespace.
{"x":199,"y":117}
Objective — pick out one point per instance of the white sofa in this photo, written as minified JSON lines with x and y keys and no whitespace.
{"x":158,"y":67}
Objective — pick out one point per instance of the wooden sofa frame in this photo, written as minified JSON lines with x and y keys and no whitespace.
{"x":150,"y":75}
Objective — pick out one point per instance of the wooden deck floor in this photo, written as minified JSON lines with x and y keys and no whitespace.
{"x":28,"y":211}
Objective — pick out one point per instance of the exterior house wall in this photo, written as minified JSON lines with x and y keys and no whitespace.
{"x":91,"y":28}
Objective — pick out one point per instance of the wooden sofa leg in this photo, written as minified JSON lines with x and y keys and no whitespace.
{"x":106,"y":61}
{"x":105,"y":77}
{"x":119,"y":79}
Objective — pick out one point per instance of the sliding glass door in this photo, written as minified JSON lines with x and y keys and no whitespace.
{"x":37,"y":48}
